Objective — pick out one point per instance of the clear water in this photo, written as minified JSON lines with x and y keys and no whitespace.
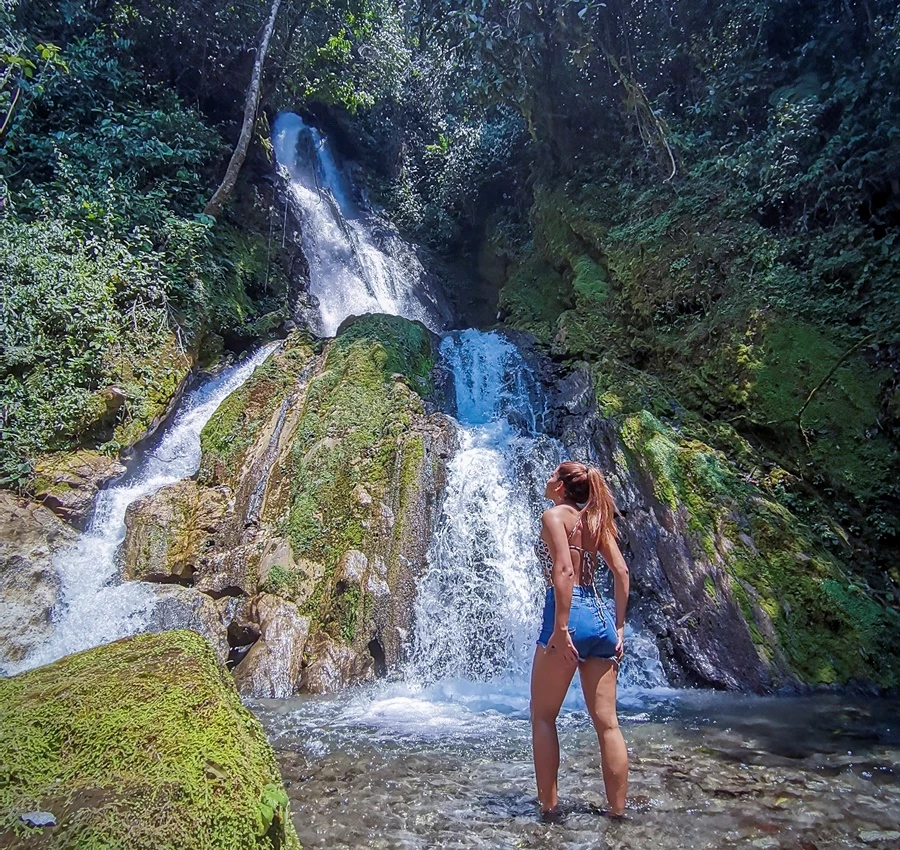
{"x":357,"y":263}
{"x":380,"y":769}
{"x":95,"y":606}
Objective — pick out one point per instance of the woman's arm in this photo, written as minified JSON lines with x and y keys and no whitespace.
{"x":553,"y":533}
{"x":609,"y":549}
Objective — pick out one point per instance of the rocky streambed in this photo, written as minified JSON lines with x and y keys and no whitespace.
{"x":451,"y":767}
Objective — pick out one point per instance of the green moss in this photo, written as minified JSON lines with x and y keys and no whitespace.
{"x":143,"y":744}
{"x":831,"y":627}
{"x":283,"y":581}
{"x":150,"y":381}
{"x":347,"y":612}
{"x":352,"y":433}
{"x":842,"y":419}
{"x":237,"y":423}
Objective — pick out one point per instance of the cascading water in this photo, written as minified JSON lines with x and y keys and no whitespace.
{"x":357,"y":264}
{"x":478,"y":604}
{"x":94,"y":607}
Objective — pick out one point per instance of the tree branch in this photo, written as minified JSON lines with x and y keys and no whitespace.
{"x":251,"y":103}
{"x":825,"y":380}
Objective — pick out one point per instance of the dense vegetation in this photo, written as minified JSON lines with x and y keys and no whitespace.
{"x":700,"y":200}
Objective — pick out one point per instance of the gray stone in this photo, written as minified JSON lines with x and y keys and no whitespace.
{"x":38,"y":819}
{"x":30,"y":536}
{"x":335,"y":666}
{"x":271,"y":668}
{"x":185,"y":608}
{"x":352,"y":568}
{"x":877,"y":836}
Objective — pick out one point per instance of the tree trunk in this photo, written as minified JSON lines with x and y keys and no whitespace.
{"x":252,"y":101}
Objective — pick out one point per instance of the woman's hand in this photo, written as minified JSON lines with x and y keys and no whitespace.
{"x":561,"y":642}
{"x":620,"y":643}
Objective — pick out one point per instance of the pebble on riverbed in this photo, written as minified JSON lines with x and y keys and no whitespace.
{"x":39,"y":819}
{"x":876,"y":836}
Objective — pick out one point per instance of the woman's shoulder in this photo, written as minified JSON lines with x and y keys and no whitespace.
{"x":557,"y":513}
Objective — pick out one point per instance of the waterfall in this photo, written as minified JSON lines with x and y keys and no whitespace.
{"x":478,"y":605}
{"x":357,"y":263}
{"x":95,"y":607}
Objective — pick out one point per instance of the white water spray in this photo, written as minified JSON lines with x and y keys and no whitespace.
{"x":95,"y":606}
{"x":478,"y":606}
{"x":357,"y":264}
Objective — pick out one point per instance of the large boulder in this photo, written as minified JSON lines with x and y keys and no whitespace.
{"x":336,"y":461}
{"x":169,"y":532}
{"x":272,"y":666}
{"x":67,"y":483}
{"x":30,"y":535}
{"x":144,"y":744}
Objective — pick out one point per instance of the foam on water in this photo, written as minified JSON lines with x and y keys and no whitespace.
{"x":95,"y":607}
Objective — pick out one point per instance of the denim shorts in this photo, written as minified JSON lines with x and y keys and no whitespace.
{"x":590,"y":624}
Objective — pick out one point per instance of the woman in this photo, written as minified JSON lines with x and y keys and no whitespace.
{"x":578,"y":631}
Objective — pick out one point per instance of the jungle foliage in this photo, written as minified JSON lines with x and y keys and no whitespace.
{"x":698,"y":198}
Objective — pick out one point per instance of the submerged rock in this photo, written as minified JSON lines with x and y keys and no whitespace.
{"x":30,"y":535}
{"x":144,"y":744}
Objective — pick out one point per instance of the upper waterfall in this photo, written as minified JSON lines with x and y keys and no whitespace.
{"x":357,"y":263}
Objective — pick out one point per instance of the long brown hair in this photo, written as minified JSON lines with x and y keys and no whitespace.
{"x":586,"y":485}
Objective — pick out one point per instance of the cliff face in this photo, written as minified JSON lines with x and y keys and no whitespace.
{"x":738,"y":588}
{"x":312,"y":514}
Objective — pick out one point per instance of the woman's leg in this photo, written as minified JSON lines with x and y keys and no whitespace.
{"x":598,"y":681}
{"x":551,"y":676}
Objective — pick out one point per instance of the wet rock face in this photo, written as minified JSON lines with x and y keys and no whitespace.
{"x":272,"y":666}
{"x":312,"y":510}
{"x":738,"y":590}
{"x":67,"y":483}
{"x":354,"y":484}
{"x":703,"y":637}
{"x":30,"y":535}
{"x":169,"y":532}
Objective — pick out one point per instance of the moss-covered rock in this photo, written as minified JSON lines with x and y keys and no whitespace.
{"x":67,"y":482}
{"x":151,"y":381}
{"x":810,"y":614}
{"x":363,"y":456}
{"x":143,"y":744}
{"x":732,"y":341}
{"x":237,"y":423}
